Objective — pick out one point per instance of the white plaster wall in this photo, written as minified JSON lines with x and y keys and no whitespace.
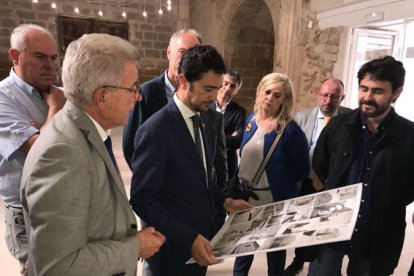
{"x":356,"y":13}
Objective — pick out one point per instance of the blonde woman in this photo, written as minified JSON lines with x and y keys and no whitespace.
{"x":288,"y":164}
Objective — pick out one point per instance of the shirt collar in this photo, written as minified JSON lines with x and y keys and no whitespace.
{"x":185,"y":111}
{"x":102,"y":133}
{"x":24,"y":86}
{"x":221,"y":110}
{"x":321,"y":116}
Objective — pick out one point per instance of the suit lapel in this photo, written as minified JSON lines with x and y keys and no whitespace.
{"x":186,"y":139}
{"x":309,"y":127}
{"x":161,"y":93}
{"x":206,"y":128}
{"x":91,"y":134}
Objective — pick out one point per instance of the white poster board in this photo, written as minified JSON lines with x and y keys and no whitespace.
{"x":324,"y":217}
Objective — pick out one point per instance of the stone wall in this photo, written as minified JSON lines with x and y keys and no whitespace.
{"x":255,"y":36}
{"x":306,"y":54}
{"x":320,"y":53}
{"x":151,"y":35}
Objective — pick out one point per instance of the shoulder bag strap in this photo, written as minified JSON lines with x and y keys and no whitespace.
{"x":266,"y":159}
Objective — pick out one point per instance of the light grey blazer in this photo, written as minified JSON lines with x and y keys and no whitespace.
{"x":78,"y":217}
{"x":306,"y":119}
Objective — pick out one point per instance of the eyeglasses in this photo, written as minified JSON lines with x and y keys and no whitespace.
{"x":330,"y":96}
{"x":134,"y":89}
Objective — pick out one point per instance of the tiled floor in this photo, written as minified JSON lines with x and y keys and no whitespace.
{"x":9,"y":267}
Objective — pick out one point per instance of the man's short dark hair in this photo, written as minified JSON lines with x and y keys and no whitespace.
{"x":235,"y":75}
{"x":199,"y":60}
{"x":384,"y":69}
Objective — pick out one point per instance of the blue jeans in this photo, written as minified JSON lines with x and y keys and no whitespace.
{"x":329,"y":262}
{"x":275,"y":264}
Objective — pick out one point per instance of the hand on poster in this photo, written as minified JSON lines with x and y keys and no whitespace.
{"x":236,"y":205}
{"x":202,"y":253}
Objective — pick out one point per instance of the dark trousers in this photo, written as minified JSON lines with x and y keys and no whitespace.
{"x":275,"y":264}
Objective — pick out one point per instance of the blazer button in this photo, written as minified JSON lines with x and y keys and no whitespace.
{"x":133,"y":226}
{"x":345,"y":153}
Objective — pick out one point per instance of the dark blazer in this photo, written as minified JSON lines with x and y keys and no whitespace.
{"x":392,"y":179}
{"x":306,"y":120}
{"x":219,"y":170}
{"x":153,"y":99}
{"x":171,"y":189}
{"x":234,"y":120}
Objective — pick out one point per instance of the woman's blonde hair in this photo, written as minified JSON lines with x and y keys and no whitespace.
{"x":284,"y":114}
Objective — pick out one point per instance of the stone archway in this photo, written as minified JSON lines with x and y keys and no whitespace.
{"x":249,"y":42}
{"x":217,"y":22}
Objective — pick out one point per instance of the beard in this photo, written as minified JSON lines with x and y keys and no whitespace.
{"x":376,"y":109}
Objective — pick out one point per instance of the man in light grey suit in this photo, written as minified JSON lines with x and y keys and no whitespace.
{"x":312,"y":121}
{"x":79,"y":221}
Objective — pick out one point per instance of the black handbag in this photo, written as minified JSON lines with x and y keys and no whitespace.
{"x":240,"y":188}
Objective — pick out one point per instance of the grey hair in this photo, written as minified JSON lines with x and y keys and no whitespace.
{"x":93,"y":61}
{"x":18,"y":38}
{"x":179,"y":33}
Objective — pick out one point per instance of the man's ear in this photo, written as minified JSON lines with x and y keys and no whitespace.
{"x":99,"y":96}
{"x":183,"y":83}
{"x":14,"y":56}
{"x":168,"y":52}
{"x":396,"y":94}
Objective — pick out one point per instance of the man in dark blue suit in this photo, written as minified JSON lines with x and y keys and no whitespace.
{"x":234,"y":117}
{"x":172,"y":187}
{"x":156,"y":93}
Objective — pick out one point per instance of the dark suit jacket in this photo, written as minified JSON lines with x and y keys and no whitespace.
{"x":171,"y":189}
{"x":219,"y":170}
{"x":153,"y":99}
{"x":306,"y":120}
{"x":392,"y":179}
{"x":234,"y":120}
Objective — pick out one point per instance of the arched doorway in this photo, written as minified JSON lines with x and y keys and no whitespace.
{"x":249,"y":46}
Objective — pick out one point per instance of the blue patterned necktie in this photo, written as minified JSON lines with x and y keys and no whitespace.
{"x":108,"y":144}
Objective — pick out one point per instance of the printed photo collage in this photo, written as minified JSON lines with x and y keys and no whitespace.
{"x":323,"y":217}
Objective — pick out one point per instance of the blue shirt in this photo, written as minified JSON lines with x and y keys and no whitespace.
{"x":19,"y":104}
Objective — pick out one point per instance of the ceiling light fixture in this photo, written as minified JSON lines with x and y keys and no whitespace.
{"x":144,"y":13}
{"x":124,"y":14}
{"x":100,"y":12}
{"x":160,"y":10}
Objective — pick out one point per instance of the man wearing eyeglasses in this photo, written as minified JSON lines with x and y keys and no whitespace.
{"x":312,"y":121}
{"x":78,"y":216}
